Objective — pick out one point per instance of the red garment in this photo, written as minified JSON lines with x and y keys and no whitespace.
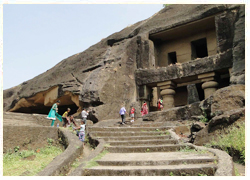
{"x":159,"y":105}
{"x":144,"y":109}
{"x":132,"y":111}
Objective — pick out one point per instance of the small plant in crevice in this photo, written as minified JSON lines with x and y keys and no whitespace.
{"x":50,"y":141}
{"x":203,"y":118}
{"x":171,"y":174}
{"x":236,"y":171}
{"x":16,"y":148}
{"x":202,"y":174}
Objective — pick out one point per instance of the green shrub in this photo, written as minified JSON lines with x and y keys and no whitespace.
{"x":234,"y":137}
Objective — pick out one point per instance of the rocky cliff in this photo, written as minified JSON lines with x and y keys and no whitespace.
{"x":103,"y":76}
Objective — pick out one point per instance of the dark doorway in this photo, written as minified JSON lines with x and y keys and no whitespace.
{"x":172,"y":58}
{"x":200,"y":91}
{"x":199,"y":48}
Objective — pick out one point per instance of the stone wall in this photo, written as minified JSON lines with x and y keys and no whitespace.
{"x":28,"y":137}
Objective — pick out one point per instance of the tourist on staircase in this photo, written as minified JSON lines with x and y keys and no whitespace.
{"x":160,"y":104}
{"x":122,"y":113}
{"x":144,"y":109}
{"x":85,"y":115}
{"x":65,"y":117}
{"x":81,"y":134}
{"x":53,"y":113}
{"x":132,"y":114}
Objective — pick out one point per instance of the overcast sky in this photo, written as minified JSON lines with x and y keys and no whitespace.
{"x":36,"y":37}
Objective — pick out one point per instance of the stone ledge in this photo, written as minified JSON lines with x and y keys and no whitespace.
{"x":99,"y":148}
{"x":61,"y":164}
{"x":225,"y":162}
{"x":176,"y":113}
{"x":187,"y":69}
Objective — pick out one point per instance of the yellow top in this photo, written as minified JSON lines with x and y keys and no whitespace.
{"x":65,"y":114}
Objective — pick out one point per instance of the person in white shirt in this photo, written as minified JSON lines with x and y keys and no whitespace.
{"x":81,"y":134}
{"x":84,"y":115}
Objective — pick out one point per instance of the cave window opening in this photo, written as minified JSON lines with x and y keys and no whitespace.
{"x":172,"y":58}
{"x":199,"y":48}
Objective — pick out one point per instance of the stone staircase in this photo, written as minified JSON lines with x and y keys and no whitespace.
{"x":147,"y":151}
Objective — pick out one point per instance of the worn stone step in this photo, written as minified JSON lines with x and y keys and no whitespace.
{"x":164,"y":170}
{"x":128,"y":133}
{"x":134,"y":129}
{"x":142,"y":142}
{"x":127,"y":138}
{"x":145,"y":148}
{"x":149,"y":124}
{"x":155,"y":158}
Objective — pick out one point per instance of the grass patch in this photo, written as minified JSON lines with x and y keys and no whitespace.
{"x":93,"y":162}
{"x":189,"y":149}
{"x":13,"y":165}
{"x":236,"y":171}
{"x":234,"y":137}
{"x":75,"y":164}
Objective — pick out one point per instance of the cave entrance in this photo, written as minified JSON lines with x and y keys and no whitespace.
{"x":41,"y":109}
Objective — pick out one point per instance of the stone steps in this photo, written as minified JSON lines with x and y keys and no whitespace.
{"x":163,"y":170}
{"x":157,"y":158}
{"x":145,"y":148}
{"x":135,"y":129}
{"x":147,"y":151}
{"x":128,"y":133}
{"x":142,"y":142}
{"x":127,"y":138}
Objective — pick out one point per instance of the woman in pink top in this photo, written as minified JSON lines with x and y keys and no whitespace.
{"x":144,"y":109}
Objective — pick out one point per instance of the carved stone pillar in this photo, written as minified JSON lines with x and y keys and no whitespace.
{"x":167,"y":93}
{"x":209,"y":88}
{"x":168,"y":98}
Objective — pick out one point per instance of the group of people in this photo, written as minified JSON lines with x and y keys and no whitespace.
{"x":69,"y":119}
{"x":144,"y":110}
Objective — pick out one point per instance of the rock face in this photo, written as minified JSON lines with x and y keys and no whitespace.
{"x":218,"y":123}
{"x":225,"y":99}
{"x":110,"y":72}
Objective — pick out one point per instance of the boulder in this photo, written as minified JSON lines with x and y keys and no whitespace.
{"x":224,"y":99}
{"x":173,"y":114}
{"x":197,"y":126}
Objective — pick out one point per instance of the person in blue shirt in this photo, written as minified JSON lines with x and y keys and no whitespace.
{"x":122,"y":113}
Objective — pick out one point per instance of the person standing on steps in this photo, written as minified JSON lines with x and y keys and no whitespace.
{"x":81,"y":134}
{"x":53,"y":113}
{"x":160,"y":104}
{"x":85,"y":115}
{"x":65,"y":118}
{"x":132,"y":114}
{"x":144,"y":108}
{"x":122,"y":113}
